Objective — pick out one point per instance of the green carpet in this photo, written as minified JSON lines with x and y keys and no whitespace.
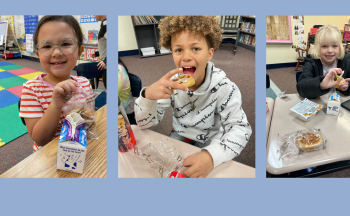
{"x":12,"y":82}
{"x":11,"y":125}
{"x":11,"y":67}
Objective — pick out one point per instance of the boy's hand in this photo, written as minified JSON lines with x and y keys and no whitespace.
{"x":328,"y":81}
{"x":161,"y":88}
{"x":344,"y":86}
{"x":101,"y":65}
{"x":201,"y":164}
{"x":68,"y":86}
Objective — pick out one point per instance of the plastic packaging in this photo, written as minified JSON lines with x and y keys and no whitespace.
{"x":83,"y":103}
{"x":126,"y":138}
{"x":296,"y":143}
{"x":306,"y":109}
{"x":163,"y":157}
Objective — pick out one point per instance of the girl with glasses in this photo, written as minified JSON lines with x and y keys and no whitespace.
{"x":58,"y":41}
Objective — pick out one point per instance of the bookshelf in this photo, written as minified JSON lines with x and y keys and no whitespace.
{"x":147,"y":34}
{"x":246,"y":33}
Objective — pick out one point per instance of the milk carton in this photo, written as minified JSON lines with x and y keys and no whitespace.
{"x":71,"y":156}
{"x":71,"y":148}
{"x":333,"y":105}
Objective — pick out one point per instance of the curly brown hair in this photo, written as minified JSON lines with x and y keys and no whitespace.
{"x":208,"y":26}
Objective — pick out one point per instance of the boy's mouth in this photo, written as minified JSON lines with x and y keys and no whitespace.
{"x":189,"y":70}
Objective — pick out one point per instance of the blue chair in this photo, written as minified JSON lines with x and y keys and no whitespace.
{"x":19,"y":107}
{"x":297,"y":75}
{"x":135,"y":84}
{"x":90,"y":71}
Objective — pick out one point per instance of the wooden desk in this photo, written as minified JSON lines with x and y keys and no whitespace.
{"x":42,"y":164}
{"x":333,"y":128}
{"x":131,"y":167}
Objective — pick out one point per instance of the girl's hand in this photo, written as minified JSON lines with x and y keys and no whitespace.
{"x":161,"y":88}
{"x":344,"y":86}
{"x":328,"y":81}
{"x":67,"y":86}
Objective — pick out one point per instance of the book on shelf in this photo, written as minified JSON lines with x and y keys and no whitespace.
{"x":247,"y":39}
{"x":141,"y":20}
{"x":252,"y":28}
{"x":246,"y":26}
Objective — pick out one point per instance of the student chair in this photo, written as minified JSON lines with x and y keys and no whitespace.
{"x":301,"y":57}
{"x":19,"y":107}
{"x":298,"y":74}
{"x":230,"y":25}
{"x":135,"y":84}
{"x":90,"y":71}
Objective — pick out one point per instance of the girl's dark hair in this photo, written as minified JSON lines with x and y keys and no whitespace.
{"x":70,"y":20}
{"x":122,"y":63}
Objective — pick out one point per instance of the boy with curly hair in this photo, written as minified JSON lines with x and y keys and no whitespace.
{"x":208,"y":114}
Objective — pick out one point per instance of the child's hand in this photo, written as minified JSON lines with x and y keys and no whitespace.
{"x":344,"y":86}
{"x":328,"y":81}
{"x":68,"y":86}
{"x":201,"y":164}
{"x":161,"y":88}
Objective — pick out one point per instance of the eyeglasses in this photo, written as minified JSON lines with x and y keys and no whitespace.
{"x":66,"y":46}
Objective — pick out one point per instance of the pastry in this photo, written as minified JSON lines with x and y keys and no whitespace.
{"x":185,"y":80}
{"x":309,"y":141}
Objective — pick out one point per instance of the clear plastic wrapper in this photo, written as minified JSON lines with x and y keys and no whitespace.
{"x":294,"y":144}
{"x":83,"y":102}
{"x":162,"y":156}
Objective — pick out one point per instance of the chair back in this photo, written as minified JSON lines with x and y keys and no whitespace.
{"x":89,"y":70}
{"x":135,"y":84}
{"x":19,"y":107}
{"x":297,"y":75}
{"x":301,"y":52}
{"x":267,"y":81}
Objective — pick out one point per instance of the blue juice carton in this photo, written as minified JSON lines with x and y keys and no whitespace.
{"x":71,"y":148}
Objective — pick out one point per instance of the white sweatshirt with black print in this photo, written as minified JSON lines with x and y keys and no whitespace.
{"x":219,"y":103}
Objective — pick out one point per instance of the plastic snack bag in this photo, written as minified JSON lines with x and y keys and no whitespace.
{"x":83,"y":103}
{"x":298,"y":142}
{"x":163,"y":157}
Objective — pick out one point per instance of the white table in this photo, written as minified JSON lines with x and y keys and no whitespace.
{"x":335,"y":129}
{"x":131,"y":167}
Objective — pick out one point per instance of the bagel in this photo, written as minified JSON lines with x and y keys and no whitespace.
{"x":309,"y":141}
{"x":185,"y":80}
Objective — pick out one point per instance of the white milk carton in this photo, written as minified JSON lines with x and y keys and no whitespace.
{"x":71,"y":148}
{"x":333,"y":105}
{"x":71,"y":156}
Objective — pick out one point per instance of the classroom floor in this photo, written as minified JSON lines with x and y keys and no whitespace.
{"x":239,"y":68}
{"x":283,"y":79}
{"x":20,"y":148}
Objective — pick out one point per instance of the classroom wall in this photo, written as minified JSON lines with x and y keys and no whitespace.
{"x":126,"y":34}
{"x":283,"y":53}
{"x":85,"y":27}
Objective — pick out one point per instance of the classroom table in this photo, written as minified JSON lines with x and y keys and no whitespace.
{"x":270,"y":104}
{"x":42,"y":164}
{"x":333,"y":128}
{"x":129,"y":166}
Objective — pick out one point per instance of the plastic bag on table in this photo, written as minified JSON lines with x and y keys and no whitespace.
{"x":295,"y":143}
{"x":162,"y":156}
{"x":83,"y":102}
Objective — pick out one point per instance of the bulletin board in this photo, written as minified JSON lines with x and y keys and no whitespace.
{"x":278,"y":29}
